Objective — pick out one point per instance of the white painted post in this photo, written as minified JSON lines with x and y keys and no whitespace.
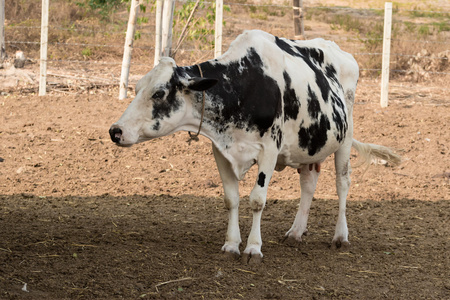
{"x":167,"y":23}
{"x":159,"y":8}
{"x":386,"y":54}
{"x":218,"y":29}
{"x":2,"y":31}
{"x":128,"y":48}
{"x":44,"y":44}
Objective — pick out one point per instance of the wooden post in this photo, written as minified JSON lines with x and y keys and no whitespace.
{"x":2,"y":31}
{"x":128,"y":48}
{"x":44,"y":44}
{"x":218,"y":29}
{"x":386,"y":54}
{"x":302,"y":21}
{"x":297,"y":6}
{"x":159,"y":8}
{"x":167,"y":23}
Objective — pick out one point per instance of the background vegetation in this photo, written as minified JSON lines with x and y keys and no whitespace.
{"x":95,"y":29}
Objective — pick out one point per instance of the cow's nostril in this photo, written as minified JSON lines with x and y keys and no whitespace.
{"x":116,"y":134}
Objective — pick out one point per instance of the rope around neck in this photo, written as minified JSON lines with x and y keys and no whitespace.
{"x":194,"y":137}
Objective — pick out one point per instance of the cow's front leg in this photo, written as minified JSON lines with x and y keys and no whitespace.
{"x":231,"y":195}
{"x":308,"y":183}
{"x":252,"y":252}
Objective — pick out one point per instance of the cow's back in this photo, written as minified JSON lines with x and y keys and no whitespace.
{"x":344,"y":62}
{"x":278,"y":58}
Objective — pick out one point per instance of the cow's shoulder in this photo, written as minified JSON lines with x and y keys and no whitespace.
{"x":256,"y":41}
{"x":252,"y":37}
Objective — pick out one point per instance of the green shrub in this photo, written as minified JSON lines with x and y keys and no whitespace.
{"x":103,"y":7}
{"x":86,"y":52}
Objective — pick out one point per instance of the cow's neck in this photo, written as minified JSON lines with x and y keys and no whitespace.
{"x":196,"y":121}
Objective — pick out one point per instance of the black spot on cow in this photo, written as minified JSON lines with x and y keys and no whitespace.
{"x":163,"y":108}
{"x":313,"y":104}
{"x":321,"y":80}
{"x":340,"y":125}
{"x":286,"y":47}
{"x":331,"y":73}
{"x":290,"y":99}
{"x":157,"y":126}
{"x":279,"y":139}
{"x":314,"y":54}
{"x":314,"y":58}
{"x":248,"y":98}
{"x":314,"y":137}
{"x":339,"y":117}
{"x":277,"y":135}
{"x":261,"y":179}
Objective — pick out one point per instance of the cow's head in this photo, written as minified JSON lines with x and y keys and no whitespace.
{"x":163,"y":104}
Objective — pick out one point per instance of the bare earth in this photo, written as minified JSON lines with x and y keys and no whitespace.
{"x":82,"y":218}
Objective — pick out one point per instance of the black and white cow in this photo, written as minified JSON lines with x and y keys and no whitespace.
{"x":268,"y":101}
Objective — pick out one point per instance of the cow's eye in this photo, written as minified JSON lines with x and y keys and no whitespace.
{"x":158,"y":95}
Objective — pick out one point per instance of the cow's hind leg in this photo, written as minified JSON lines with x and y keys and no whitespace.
{"x":252,"y":252}
{"x":308,"y":182}
{"x":231,"y":192}
{"x":343,"y":170}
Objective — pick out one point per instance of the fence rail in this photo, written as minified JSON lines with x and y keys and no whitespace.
{"x":146,"y":43}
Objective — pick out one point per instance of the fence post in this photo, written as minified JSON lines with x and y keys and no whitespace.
{"x":386,"y":54}
{"x":218,"y":29}
{"x":159,"y":8}
{"x":44,"y":45}
{"x":2,"y":31}
{"x":128,"y":48}
{"x":297,"y":6}
{"x":167,"y":23}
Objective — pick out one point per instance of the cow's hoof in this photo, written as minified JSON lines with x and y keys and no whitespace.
{"x":340,"y":244}
{"x":293,"y":239}
{"x":231,"y":255}
{"x":250,"y":259}
{"x":231,"y":250}
{"x":252,"y":256}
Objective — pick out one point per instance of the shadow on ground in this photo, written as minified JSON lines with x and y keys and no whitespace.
{"x":159,"y":246}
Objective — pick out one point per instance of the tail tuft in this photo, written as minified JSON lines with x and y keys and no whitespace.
{"x":369,"y":152}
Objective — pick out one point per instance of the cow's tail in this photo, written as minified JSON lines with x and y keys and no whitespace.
{"x":372,"y":153}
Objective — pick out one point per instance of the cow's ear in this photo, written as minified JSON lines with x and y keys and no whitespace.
{"x":201,"y":84}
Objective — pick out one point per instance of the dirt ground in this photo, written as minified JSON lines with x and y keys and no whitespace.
{"x":82,"y":218}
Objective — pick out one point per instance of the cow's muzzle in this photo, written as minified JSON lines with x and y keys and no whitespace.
{"x":116,"y":134}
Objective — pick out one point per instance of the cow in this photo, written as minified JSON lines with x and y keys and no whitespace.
{"x":269,"y":101}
